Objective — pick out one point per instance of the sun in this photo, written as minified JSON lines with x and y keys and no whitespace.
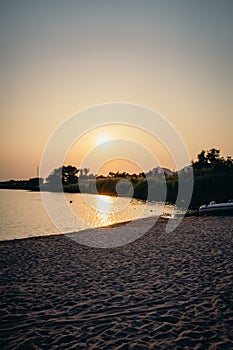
{"x":102,"y":139}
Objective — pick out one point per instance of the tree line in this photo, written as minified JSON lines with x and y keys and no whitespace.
{"x":213,"y":180}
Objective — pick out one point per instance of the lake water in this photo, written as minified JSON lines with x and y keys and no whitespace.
{"x":23,"y":213}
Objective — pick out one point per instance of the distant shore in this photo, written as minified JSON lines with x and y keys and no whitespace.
{"x":206,"y":188}
{"x":162,"y":291}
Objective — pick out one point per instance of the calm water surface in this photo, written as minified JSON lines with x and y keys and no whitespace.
{"x":23,"y":213}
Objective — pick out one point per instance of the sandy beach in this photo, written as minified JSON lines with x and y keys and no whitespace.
{"x":162,"y":291}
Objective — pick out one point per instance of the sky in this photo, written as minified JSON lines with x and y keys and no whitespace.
{"x":60,"y":57}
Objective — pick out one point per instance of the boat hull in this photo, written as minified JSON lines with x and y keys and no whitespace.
{"x":217,"y":209}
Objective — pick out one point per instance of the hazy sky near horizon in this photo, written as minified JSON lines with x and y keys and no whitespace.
{"x":59,"y":57}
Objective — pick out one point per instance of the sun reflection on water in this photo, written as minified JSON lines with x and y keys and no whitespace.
{"x":100,"y":210}
{"x":105,"y":210}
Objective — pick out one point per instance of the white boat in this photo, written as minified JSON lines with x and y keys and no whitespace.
{"x":217,"y":208}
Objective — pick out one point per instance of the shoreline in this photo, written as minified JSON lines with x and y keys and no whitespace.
{"x":108,"y":230}
{"x":162,"y":291}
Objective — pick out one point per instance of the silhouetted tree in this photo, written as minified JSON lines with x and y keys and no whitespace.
{"x":213,"y":156}
{"x":202,"y":160}
{"x":86,"y":171}
{"x":211,"y":160}
{"x":55,"y":178}
{"x":64,"y":175}
{"x":69,"y":175}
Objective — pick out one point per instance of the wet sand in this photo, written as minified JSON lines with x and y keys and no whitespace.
{"x":163,"y":291}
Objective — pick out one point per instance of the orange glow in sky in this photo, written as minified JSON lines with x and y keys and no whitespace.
{"x":58,"y":58}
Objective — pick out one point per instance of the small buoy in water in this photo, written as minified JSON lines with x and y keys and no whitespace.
{"x":71,"y":201}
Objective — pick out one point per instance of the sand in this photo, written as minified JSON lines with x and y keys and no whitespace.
{"x":163,"y":291}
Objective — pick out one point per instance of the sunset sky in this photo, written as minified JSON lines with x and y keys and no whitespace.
{"x":60,"y":57}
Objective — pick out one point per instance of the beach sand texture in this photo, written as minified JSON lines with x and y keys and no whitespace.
{"x":163,"y":291}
